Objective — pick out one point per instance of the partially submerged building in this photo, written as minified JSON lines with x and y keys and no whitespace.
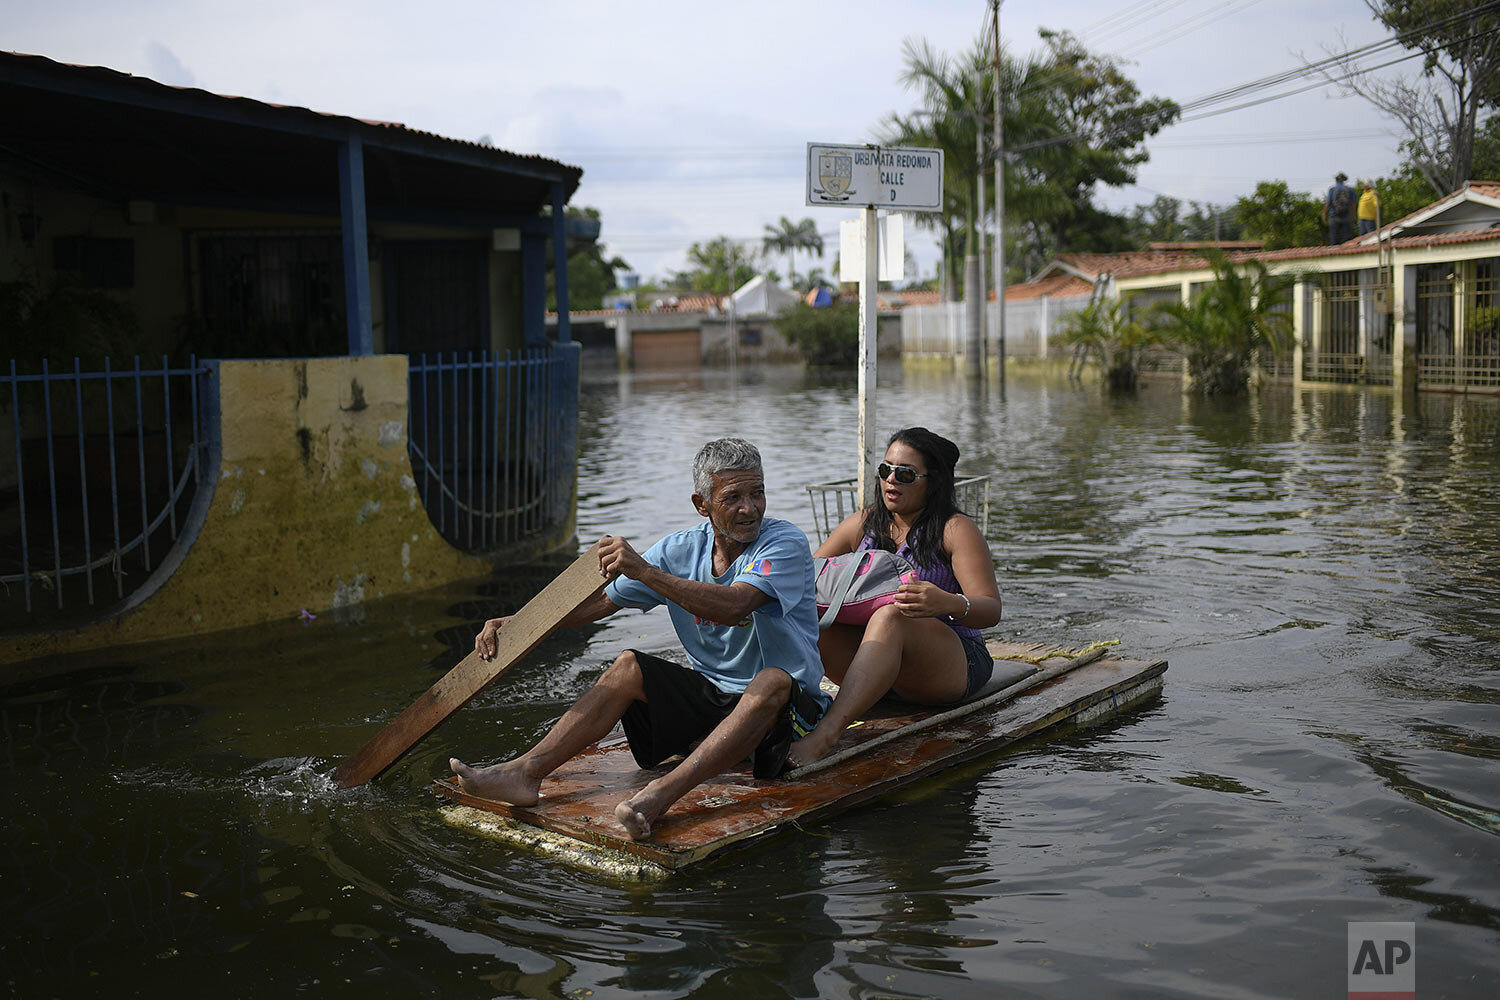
{"x":256,"y":359}
{"x":1414,"y":305}
{"x":699,"y":329}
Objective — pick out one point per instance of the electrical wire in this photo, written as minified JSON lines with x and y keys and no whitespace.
{"x":1208,"y":101}
{"x":1191,"y":25}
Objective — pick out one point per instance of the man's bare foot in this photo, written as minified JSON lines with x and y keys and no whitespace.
{"x":501,"y":782}
{"x":635,"y":822}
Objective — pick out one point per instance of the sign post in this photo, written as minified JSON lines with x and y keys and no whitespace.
{"x":872,"y":177}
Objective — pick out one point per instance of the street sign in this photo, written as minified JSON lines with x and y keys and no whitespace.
{"x":879,"y":176}
{"x":890,"y":249}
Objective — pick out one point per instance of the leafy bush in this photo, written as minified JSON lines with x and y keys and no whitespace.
{"x":1104,"y":329}
{"x":826,"y":336}
{"x":1219,"y":331}
{"x":64,"y":321}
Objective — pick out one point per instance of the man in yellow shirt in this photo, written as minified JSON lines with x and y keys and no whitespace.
{"x":1369,"y":208}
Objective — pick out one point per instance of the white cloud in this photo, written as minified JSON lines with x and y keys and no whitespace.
{"x":163,"y":66}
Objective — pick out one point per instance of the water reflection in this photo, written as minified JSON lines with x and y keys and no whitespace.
{"x":1320,"y":566}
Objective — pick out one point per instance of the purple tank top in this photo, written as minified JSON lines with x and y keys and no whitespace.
{"x":941,"y":574}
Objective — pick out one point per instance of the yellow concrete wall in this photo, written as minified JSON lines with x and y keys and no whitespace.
{"x":314,"y":507}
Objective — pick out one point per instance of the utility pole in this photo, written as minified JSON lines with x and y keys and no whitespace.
{"x":734,"y":333}
{"x":999,"y":199}
{"x":980,"y":366}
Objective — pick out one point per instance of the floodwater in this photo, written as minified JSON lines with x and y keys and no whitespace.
{"x":1321,"y":568}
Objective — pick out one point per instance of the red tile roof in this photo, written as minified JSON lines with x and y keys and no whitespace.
{"x":1167,"y":257}
{"x":1053,"y":286}
{"x":1201,"y":244}
{"x":1130,"y":265}
{"x":1132,"y":262}
{"x":910,"y":297}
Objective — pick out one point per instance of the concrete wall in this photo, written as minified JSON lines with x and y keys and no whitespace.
{"x":313,"y":506}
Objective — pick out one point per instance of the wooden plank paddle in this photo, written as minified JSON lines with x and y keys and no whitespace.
{"x":522,"y":633}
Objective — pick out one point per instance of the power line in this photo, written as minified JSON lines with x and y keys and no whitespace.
{"x":1192,"y":24}
{"x":1308,"y":69}
{"x":1285,"y":76}
{"x":1358,"y":71}
{"x":1131,"y":25}
{"x":1126,"y":19}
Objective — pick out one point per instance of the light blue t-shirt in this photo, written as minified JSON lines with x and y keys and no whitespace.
{"x":783,"y":632}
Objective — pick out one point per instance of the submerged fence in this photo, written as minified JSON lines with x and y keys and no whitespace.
{"x":1031,"y":327}
{"x":96,"y":484}
{"x":494,"y":443}
{"x":99,"y":470}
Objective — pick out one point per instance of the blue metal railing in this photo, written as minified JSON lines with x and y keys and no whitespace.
{"x":494,"y":443}
{"x":85,"y":530}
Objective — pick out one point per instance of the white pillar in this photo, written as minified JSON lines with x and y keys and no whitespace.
{"x":1299,"y":329}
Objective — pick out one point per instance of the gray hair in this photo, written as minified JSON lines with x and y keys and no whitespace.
{"x":722,"y":455}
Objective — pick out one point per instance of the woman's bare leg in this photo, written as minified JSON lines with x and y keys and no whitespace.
{"x":920,"y":659}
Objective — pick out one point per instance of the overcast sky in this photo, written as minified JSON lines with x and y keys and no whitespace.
{"x":690,"y":120}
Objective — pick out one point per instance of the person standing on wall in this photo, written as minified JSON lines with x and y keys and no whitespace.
{"x":1369,"y":207}
{"x":1338,"y":210}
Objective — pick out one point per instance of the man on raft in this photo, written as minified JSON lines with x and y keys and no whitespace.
{"x":741,"y":595}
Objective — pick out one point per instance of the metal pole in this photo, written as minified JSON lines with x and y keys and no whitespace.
{"x":999,"y":203}
{"x":734,"y":335}
{"x":869,"y":294}
{"x":978,"y":361}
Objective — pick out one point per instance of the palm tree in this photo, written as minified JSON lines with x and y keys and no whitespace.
{"x":957,"y":94}
{"x":1105,"y":329}
{"x":788,"y":237}
{"x":1220,"y":330}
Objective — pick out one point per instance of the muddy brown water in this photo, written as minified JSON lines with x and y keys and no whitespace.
{"x":1321,"y":567}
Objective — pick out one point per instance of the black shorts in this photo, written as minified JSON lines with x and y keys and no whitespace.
{"x":682,"y":706}
{"x":981,"y":663}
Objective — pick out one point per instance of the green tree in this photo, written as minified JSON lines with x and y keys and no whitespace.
{"x":788,"y":237}
{"x":719,"y":266}
{"x":1208,"y":221}
{"x":826,"y":336}
{"x":1104,"y":329}
{"x":1402,"y":194}
{"x":590,"y":275}
{"x":1099,"y":123}
{"x":1244,"y":310}
{"x":1159,"y":222}
{"x":1281,"y":217}
{"x":1444,"y":111}
{"x":1072,"y":119}
{"x":955,"y":95}
{"x":1487,"y":151}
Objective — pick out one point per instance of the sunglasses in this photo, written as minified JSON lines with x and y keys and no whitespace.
{"x":903,"y":474}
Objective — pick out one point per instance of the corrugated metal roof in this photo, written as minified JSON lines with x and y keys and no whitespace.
{"x":122,"y":87}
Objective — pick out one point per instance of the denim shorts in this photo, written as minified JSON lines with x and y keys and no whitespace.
{"x":981,"y":663}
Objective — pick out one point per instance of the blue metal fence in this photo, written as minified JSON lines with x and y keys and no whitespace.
{"x":494,"y":443}
{"x":103,"y":468}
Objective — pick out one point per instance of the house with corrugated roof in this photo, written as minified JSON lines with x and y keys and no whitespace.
{"x":258,"y":359}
